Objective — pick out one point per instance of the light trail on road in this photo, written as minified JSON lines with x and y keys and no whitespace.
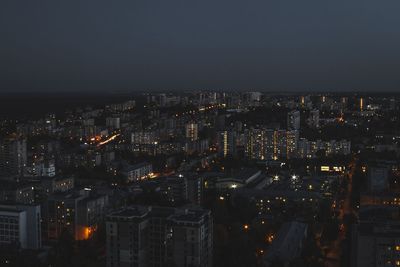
{"x":111,"y":138}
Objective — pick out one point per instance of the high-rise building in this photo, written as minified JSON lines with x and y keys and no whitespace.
{"x":292,"y":139}
{"x":13,"y":157}
{"x":226,"y":143}
{"x":251,"y":98}
{"x":42,"y":168}
{"x":191,"y":131}
{"x":375,"y":239}
{"x":271,"y":144}
{"x":344,"y":101}
{"x":195,"y":189}
{"x":162,"y":100}
{"x":51,"y":185}
{"x":126,"y":237}
{"x":192,"y":238}
{"x":219,"y":123}
{"x":293,"y":120}
{"x":17,"y":192}
{"x":305,"y":101}
{"x":159,"y":236}
{"x":377,"y":178}
{"x":279,"y":144}
{"x":113,"y":123}
{"x":137,"y":172}
{"x":20,"y":225}
{"x":392,"y":104}
{"x":143,"y":137}
{"x":91,"y":211}
{"x":175,"y":189}
{"x":313,"y":120}
{"x":304,"y":148}
{"x":256,"y":144}
{"x":77,"y":212}
{"x":362,"y":104}
{"x":128,"y":105}
{"x":60,"y":213}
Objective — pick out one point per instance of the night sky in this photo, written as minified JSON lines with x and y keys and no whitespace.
{"x":199,"y":44}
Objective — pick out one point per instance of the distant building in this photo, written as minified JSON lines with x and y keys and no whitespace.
{"x":16,"y":192}
{"x":144,"y":137}
{"x":195,"y":188}
{"x":57,"y":184}
{"x":313,"y":120}
{"x":162,"y":100}
{"x":383,"y":198}
{"x":13,"y":157}
{"x":266,"y":144}
{"x":175,"y":189}
{"x":199,"y":146}
{"x":377,"y":178}
{"x":279,"y":144}
{"x":144,"y":141}
{"x":159,"y":236}
{"x":256,"y":144}
{"x":114,"y":123}
{"x":128,"y":105}
{"x":48,"y":168}
{"x":292,"y":140}
{"x":137,"y":172}
{"x":192,"y":131}
{"x":41,"y":168}
{"x":309,"y":149}
{"x":182,"y":189}
{"x":337,"y":147}
{"x":293,"y":120}
{"x":251,"y":98}
{"x":219,"y":123}
{"x":241,"y":178}
{"x":226,"y":142}
{"x":362,"y":104}
{"x":305,"y":101}
{"x":304,"y":148}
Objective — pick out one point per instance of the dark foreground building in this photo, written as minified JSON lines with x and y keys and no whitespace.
{"x":159,"y":236}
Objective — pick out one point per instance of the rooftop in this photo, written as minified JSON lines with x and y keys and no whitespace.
{"x":131,"y":212}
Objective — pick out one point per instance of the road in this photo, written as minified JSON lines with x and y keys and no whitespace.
{"x":333,"y":257}
{"x":109,"y":139}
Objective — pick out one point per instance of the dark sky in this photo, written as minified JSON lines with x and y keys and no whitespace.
{"x":199,"y":44}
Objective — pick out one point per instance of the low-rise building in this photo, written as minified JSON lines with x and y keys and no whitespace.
{"x":288,"y":244}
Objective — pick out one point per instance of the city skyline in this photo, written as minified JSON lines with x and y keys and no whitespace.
{"x":182,"y":133}
{"x":200,"y":179}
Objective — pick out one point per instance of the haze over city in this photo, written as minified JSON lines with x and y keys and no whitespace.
{"x":178,"y":45}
